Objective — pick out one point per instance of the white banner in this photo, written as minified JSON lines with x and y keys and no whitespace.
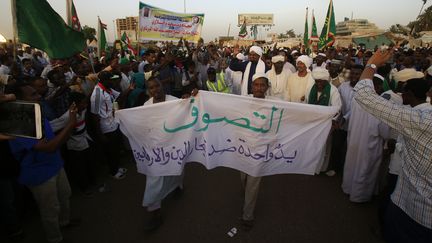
{"x":259,"y":137}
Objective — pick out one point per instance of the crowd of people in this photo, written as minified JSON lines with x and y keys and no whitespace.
{"x":381,"y":133}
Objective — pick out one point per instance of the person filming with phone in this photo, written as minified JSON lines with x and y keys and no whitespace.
{"x":41,"y":169}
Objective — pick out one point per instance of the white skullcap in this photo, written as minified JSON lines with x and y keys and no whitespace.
{"x":305,"y":60}
{"x":322,"y":54}
{"x":259,"y":75}
{"x":294,"y":52}
{"x":320,"y":74}
{"x":241,"y":57}
{"x":257,"y":50}
{"x":278,"y":58}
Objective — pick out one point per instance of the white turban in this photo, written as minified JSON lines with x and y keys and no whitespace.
{"x":407,"y":74}
{"x":257,"y":50}
{"x":322,"y":54}
{"x":278,"y":58}
{"x":320,"y":74}
{"x":305,"y":60}
{"x":259,"y":75}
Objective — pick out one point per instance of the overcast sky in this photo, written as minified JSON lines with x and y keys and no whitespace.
{"x":220,"y":13}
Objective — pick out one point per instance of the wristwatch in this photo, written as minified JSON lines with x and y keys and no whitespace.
{"x":373,"y":66}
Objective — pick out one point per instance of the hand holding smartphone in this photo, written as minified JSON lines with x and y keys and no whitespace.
{"x":21,"y":119}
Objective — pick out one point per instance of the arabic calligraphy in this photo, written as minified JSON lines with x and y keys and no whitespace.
{"x":171,"y":24}
{"x":239,"y":122}
{"x":179,"y":155}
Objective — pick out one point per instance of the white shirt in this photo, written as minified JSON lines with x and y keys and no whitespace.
{"x":289,"y":67}
{"x":297,"y":87}
{"x":102,"y":105}
{"x":347,"y":94}
{"x":5,"y":70}
{"x":78,"y":141}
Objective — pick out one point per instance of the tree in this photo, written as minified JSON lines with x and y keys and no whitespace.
{"x":398,"y":29}
{"x":89,"y":33}
{"x":423,"y":22}
{"x":291,"y":33}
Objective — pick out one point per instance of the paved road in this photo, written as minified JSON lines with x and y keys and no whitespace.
{"x":290,"y":208}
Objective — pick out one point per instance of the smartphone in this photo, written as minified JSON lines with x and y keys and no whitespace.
{"x":21,"y":119}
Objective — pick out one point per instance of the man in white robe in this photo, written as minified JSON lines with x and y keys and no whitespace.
{"x":254,"y":65}
{"x":278,"y":77}
{"x":366,"y":136}
{"x":299,"y":82}
{"x":325,"y":94}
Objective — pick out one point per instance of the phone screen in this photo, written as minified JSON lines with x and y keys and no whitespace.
{"x":21,"y":119}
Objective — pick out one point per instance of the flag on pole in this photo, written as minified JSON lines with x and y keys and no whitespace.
{"x":126,"y":41}
{"x":38,"y":25}
{"x":243,"y":30}
{"x":306,"y":33}
{"x":314,"y":36}
{"x":72,"y":16}
{"x":328,"y":32}
{"x":102,"y":44}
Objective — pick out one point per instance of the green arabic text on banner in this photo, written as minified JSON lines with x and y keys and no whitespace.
{"x":161,"y":25}
{"x":40,"y":26}
{"x":257,"y":136}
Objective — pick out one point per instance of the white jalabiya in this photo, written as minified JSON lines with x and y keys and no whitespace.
{"x":158,"y":187}
{"x":297,"y":87}
{"x":236,"y":78}
{"x":366,"y":136}
{"x":260,"y":68}
{"x":335,"y":100}
{"x":279,"y":82}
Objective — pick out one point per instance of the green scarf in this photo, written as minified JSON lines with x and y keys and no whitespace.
{"x":324,"y":99}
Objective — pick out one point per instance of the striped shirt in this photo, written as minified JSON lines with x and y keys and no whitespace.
{"x":413,"y":193}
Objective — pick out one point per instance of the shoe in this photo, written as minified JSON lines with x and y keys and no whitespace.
{"x":154,"y":222}
{"x":72,"y":223}
{"x":246,"y":224}
{"x":124,"y":170}
{"x":331,"y":173}
{"x":119,"y":175}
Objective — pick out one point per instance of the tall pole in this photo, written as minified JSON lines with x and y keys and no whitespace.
{"x":184,"y":6}
{"x":115,"y":31}
{"x":14,"y":28}
{"x":421,"y":10}
{"x":229,"y":28}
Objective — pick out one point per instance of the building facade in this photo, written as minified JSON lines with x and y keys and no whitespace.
{"x":357,"y":27}
{"x":128,"y":25}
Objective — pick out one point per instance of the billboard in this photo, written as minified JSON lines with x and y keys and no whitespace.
{"x":255,"y":19}
{"x":161,"y":25}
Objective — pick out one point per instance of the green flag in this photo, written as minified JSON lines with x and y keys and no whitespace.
{"x":38,"y":25}
{"x":328,"y":32}
{"x":306,"y":32}
{"x":314,"y":35}
{"x":243,"y":30}
{"x":102,"y":43}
